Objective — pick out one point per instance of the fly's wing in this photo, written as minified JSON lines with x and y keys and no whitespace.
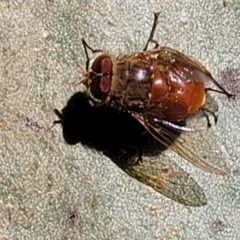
{"x":193,"y":146}
{"x":170,"y":56}
{"x":174,"y":54}
{"x":163,"y":175}
{"x":166,"y":177}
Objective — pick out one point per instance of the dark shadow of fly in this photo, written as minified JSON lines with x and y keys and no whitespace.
{"x":127,"y":143}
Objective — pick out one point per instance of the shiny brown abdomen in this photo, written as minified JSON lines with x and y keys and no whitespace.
{"x":157,"y":84}
{"x":178,"y":94}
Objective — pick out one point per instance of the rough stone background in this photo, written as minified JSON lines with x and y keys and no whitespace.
{"x":42,"y":179}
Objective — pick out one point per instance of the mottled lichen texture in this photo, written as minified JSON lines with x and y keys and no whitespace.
{"x":42,"y":178}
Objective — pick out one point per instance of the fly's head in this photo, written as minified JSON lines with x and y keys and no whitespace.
{"x":98,"y":79}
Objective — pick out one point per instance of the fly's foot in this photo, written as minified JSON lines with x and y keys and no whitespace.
{"x":206,"y":112}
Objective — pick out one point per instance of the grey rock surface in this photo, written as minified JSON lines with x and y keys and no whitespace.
{"x":43,"y":180}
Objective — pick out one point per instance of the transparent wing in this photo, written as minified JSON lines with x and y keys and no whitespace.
{"x":193,"y":146}
{"x":162,"y":174}
{"x":184,"y":58}
{"x":186,"y":66}
{"x":167,"y":178}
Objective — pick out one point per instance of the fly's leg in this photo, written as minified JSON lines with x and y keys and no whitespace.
{"x":85,"y":45}
{"x":140,"y":154}
{"x":204,"y":70}
{"x":59,"y":114}
{"x":156,"y":44}
{"x":138,"y":146}
{"x":59,"y":121}
{"x":150,"y":39}
{"x":222,"y":90}
{"x":206,"y":113}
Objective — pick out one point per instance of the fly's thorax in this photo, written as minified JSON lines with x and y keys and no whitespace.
{"x":131,"y":81}
{"x":100,"y":78}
